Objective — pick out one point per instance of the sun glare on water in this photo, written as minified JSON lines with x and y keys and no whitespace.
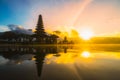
{"x":85,"y":54}
{"x":86,"y":34}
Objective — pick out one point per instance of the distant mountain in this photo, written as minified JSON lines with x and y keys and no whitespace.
{"x":19,"y":30}
{"x":22,"y":32}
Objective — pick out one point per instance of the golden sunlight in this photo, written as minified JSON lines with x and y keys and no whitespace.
{"x":86,"y":34}
{"x":85,"y":54}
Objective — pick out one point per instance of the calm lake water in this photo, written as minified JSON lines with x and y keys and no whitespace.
{"x":60,"y":63}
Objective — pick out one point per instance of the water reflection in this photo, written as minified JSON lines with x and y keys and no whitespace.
{"x":85,"y":54}
{"x":58,"y":63}
{"x":23,"y":56}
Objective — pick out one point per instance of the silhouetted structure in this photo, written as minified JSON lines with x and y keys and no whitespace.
{"x":40,"y":32}
{"x":41,"y":36}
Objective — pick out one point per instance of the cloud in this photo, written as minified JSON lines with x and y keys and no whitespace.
{"x":15,"y":28}
{"x":4,"y":28}
{"x":19,"y":29}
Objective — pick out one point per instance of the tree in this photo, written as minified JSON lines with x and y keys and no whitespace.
{"x":65,"y":40}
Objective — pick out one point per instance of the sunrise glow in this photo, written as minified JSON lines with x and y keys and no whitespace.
{"x":86,"y":34}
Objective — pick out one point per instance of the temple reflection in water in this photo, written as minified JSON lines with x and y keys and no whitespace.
{"x":19,"y":54}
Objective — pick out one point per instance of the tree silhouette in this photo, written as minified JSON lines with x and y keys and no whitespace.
{"x":65,"y":40}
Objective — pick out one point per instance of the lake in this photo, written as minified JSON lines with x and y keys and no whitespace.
{"x":60,"y":63}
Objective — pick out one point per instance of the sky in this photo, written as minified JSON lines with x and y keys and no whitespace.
{"x":101,"y":16}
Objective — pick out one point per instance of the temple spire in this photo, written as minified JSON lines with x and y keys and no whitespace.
{"x":40,"y":21}
{"x":40,"y":32}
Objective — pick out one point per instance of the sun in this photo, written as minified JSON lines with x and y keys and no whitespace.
{"x":86,"y":34}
